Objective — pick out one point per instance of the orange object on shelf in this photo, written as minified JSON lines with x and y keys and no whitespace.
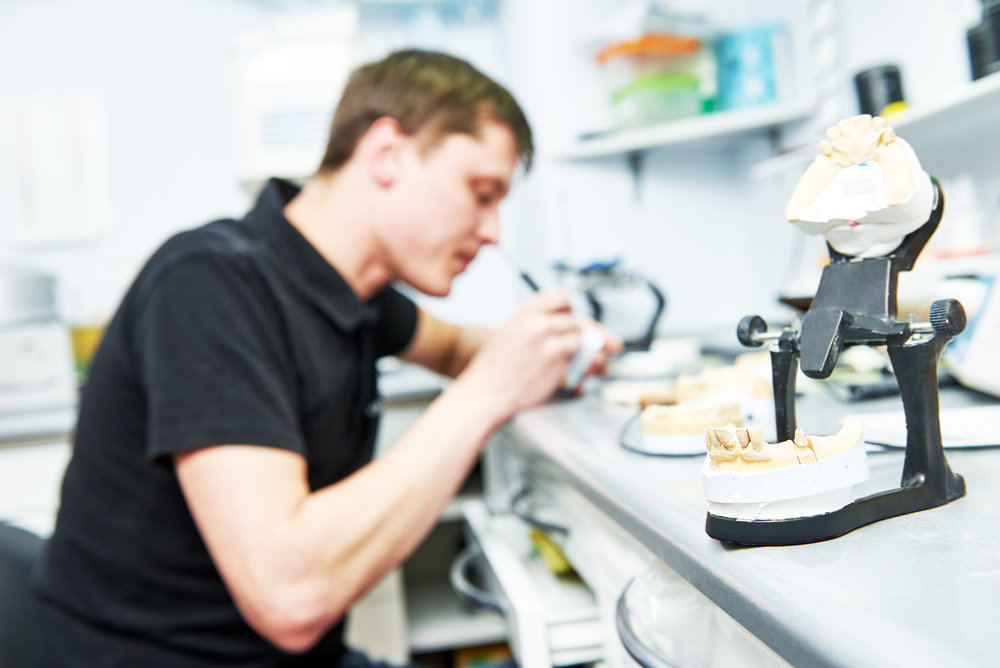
{"x":651,"y":43}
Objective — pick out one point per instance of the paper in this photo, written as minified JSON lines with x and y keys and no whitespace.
{"x":973,"y":427}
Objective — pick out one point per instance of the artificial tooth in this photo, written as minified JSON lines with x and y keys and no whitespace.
{"x":745,"y":450}
{"x":833,"y":132}
{"x":725,"y":456}
{"x":826,"y":147}
{"x":803,"y":449}
{"x":728,"y":437}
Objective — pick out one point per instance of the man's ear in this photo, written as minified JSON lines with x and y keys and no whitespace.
{"x":381,"y":147}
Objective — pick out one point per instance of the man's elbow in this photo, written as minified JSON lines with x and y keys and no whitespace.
{"x":292,"y":622}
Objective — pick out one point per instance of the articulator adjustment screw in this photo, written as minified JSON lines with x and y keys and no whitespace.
{"x":748,"y":327}
{"x":947,"y":317}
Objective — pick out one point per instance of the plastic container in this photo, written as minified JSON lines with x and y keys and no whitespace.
{"x":654,"y":78}
{"x":655,"y":99}
{"x":754,"y":67}
{"x":649,"y":55}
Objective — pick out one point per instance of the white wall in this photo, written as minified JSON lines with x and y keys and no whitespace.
{"x":714,"y":240}
{"x":161,"y":67}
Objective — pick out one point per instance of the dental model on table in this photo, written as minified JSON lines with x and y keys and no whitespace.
{"x":737,"y":449}
{"x":877,"y":208}
{"x":748,"y":478}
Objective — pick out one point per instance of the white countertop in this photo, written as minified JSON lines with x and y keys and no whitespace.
{"x":917,"y":590}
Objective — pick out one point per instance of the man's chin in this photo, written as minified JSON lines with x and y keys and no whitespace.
{"x":440,"y":288}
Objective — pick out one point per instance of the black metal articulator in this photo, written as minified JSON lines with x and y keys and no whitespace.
{"x":856,"y":305}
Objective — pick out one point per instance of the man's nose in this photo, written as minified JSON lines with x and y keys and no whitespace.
{"x":489,"y":226}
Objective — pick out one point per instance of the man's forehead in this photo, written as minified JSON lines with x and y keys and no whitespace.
{"x":492,"y":150}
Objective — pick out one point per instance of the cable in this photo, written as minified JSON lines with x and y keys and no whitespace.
{"x":628,"y":425}
{"x":528,"y":518}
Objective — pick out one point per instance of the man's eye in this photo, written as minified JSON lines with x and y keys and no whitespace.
{"x":485,"y":198}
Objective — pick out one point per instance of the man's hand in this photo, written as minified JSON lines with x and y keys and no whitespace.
{"x":522,"y":363}
{"x":613,"y":345}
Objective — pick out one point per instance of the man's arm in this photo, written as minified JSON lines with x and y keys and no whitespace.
{"x":441,"y":346}
{"x":294,"y":559}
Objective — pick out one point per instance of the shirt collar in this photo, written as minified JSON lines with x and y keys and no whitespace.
{"x":322,"y":283}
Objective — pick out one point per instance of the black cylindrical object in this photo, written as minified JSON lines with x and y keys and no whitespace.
{"x":878,"y":87}
{"x":991,"y":26}
{"x":980,"y":49}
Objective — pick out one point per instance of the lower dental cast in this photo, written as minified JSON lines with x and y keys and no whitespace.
{"x":744,"y":450}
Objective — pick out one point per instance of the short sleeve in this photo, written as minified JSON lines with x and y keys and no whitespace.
{"x":213,"y":363}
{"x":397,"y":322}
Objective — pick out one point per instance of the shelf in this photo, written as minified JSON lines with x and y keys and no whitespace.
{"x":438,"y":621}
{"x":973,"y":103}
{"x":718,"y":126}
{"x":960,"y":105}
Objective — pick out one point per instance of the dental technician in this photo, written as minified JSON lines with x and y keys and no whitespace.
{"x":221,"y":506}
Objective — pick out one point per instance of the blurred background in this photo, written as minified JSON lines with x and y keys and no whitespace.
{"x":122,"y":123}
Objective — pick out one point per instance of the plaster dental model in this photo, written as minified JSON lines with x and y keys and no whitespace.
{"x":680,"y":430}
{"x":637,"y":393}
{"x":866,"y":191}
{"x":732,"y":448}
{"x":721,"y":380}
{"x":747,"y":478}
{"x":658,"y":419}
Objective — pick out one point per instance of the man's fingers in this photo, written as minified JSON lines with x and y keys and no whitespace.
{"x":551,"y":301}
{"x":566,"y":344}
{"x":560,"y":323}
{"x":613,"y":344}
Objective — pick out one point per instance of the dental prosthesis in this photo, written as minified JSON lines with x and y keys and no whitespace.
{"x":680,"y":429}
{"x":687,"y":419}
{"x":729,"y":380}
{"x":865,"y":192}
{"x":747,"y":478}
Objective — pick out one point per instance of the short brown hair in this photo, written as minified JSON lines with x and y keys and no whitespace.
{"x":422,"y":90}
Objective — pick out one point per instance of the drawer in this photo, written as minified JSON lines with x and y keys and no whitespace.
{"x":551,"y":620}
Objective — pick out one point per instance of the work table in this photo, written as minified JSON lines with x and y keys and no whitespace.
{"x":916,"y":590}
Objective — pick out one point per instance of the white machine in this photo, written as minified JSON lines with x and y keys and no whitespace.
{"x":973,"y":356}
{"x":38,"y":390}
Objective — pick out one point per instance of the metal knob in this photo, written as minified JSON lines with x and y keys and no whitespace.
{"x":748,"y":328}
{"x":947,"y":317}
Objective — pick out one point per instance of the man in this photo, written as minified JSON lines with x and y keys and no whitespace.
{"x":220,"y":506}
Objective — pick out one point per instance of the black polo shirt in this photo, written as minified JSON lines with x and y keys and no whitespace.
{"x":236,"y":332}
